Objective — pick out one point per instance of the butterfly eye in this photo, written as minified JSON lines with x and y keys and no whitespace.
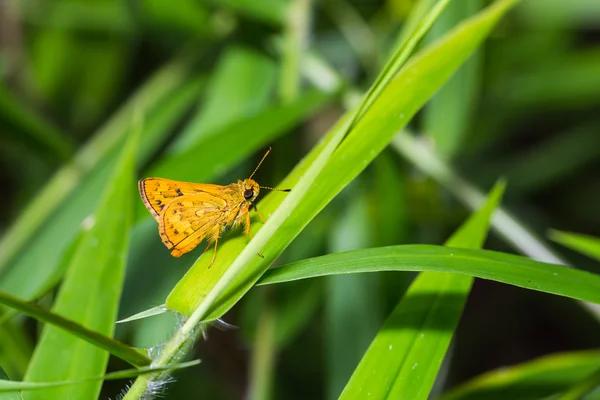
{"x":248,"y":194}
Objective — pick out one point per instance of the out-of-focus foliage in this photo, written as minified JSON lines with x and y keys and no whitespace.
{"x":208,"y":85}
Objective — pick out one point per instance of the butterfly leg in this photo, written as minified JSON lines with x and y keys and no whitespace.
{"x":215,"y":237}
{"x":260,"y":216}
{"x":247,"y":231}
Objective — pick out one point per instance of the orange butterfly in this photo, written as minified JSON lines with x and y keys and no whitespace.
{"x":187,"y":213}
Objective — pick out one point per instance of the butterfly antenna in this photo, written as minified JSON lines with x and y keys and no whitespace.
{"x":275,"y":189}
{"x":261,"y":161}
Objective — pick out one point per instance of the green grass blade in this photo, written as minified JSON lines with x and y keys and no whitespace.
{"x":535,"y":379}
{"x":584,"y":244}
{"x":11,"y":386}
{"x":90,"y":292}
{"x":501,"y":267}
{"x":118,"y":349}
{"x":404,"y":358}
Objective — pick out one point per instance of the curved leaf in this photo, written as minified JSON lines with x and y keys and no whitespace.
{"x":485,"y":264}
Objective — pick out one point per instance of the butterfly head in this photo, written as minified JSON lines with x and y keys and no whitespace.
{"x":250,"y":189}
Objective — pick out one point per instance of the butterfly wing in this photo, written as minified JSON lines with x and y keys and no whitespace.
{"x":157,"y":193}
{"x":185,"y":222}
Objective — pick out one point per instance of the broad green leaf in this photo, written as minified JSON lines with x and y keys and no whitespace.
{"x":501,"y":267}
{"x":585,"y":244}
{"x":405,"y":356}
{"x":535,"y":379}
{"x":12,"y":386}
{"x":90,"y":292}
{"x":120,"y":350}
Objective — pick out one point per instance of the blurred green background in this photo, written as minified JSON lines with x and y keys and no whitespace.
{"x":220,"y":81}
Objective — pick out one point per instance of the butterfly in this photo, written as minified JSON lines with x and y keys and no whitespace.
{"x":187,"y":213}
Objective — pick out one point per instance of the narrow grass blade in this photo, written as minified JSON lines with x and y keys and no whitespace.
{"x":116,"y":348}
{"x":11,"y":386}
{"x":145,"y":314}
{"x":90,"y":292}
{"x":501,"y":267}
{"x":404,"y":358}
{"x":535,"y":379}
{"x":584,"y":244}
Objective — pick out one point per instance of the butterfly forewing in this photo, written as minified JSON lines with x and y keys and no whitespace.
{"x":157,"y":193}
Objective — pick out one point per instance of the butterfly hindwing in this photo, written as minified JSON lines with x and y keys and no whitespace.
{"x":189,"y":219}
